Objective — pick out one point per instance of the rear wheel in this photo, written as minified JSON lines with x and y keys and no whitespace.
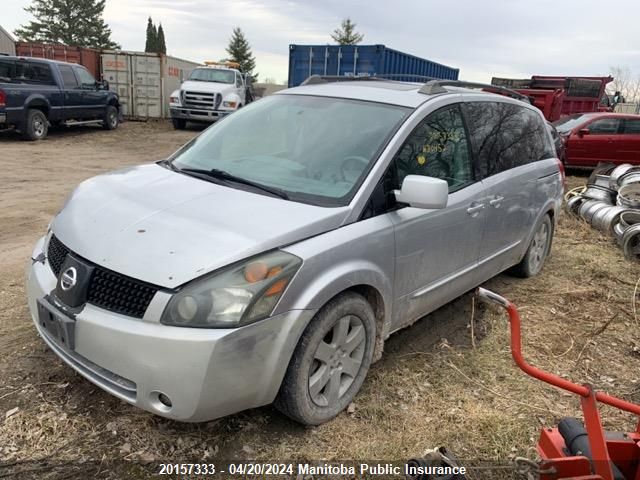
{"x":330,"y":362}
{"x":538,"y":250}
{"x":36,"y":125}
{"x":110,"y":121}
{"x":179,"y":123}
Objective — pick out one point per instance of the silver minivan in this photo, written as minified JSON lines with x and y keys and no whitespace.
{"x":268,"y":259}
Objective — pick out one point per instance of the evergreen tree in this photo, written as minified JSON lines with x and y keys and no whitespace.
{"x":346,"y":34}
{"x":162,"y":46}
{"x":149,"y":45}
{"x":72,"y":22}
{"x":154,"y":35}
{"x":240,"y":51}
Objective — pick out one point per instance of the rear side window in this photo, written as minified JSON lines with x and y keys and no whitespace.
{"x":631,"y":126}
{"x":604,"y":126}
{"x":506,"y":135}
{"x":68,"y":78}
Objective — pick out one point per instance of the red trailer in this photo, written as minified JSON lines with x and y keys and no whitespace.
{"x":561,"y":96}
{"x":88,"y":57}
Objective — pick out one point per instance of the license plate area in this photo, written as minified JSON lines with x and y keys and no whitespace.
{"x":57,"y":326}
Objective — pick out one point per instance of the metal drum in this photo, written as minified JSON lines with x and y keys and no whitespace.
{"x":631,"y":242}
{"x":629,"y":195}
{"x":592,"y":210}
{"x":618,"y":231}
{"x":628,"y":218}
{"x":605,"y":219}
{"x":600,"y":180}
{"x":573,"y":204}
{"x":632,"y":176}
{"x":617,"y":172}
{"x":596,"y":192}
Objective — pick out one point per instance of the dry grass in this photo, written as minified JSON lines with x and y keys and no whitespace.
{"x":431,"y":387}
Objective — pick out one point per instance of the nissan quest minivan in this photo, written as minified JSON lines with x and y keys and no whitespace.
{"x":268,"y":259}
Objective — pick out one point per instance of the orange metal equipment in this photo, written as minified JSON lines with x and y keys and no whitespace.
{"x":602,"y":455}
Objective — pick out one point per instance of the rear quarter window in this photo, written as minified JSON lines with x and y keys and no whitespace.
{"x":506,"y":135}
{"x":33,"y":72}
{"x":7,"y":70}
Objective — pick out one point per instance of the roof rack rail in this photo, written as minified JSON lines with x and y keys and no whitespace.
{"x":319,"y":79}
{"x":437,"y":86}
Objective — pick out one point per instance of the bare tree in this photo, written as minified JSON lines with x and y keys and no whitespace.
{"x":625,"y":82}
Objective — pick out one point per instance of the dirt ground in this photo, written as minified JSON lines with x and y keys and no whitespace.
{"x":433,"y":386}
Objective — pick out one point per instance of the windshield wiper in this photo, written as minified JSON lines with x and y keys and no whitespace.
{"x":229,"y":177}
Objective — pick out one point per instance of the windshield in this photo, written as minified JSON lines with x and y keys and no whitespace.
{"x":569,"y":123}
{"x":213,"y":75}
{"x":316,"y":149}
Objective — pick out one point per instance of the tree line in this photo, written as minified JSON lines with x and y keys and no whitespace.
{"x":81,"y":23}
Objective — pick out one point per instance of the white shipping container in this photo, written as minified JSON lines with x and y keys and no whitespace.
{"x":147,"y":93}
{"x":116,"y":69}
{"x":174,"y":72}
{"x":144,"y":81}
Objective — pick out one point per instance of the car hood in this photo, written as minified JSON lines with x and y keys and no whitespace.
{"x":167,"y":228}
{"x":209,"y":87}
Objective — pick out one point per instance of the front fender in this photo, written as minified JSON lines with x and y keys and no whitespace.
{"x":359,"y":254}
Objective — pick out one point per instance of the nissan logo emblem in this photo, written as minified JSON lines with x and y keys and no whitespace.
{"x":69,"y":278}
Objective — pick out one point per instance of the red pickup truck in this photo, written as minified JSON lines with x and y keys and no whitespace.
{"x":558,"y":97}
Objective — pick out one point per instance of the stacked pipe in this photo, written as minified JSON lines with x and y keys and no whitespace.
{"x":610,"y":202}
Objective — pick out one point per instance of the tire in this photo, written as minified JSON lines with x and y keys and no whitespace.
{"x":36,"y":125}
{"x":179,"y":123}
{"x":539,"y":248}
{"x":110,"y":120}
{"x":330,"y":362}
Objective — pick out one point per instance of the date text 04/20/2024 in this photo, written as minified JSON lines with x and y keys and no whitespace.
{"x":305,"y":469}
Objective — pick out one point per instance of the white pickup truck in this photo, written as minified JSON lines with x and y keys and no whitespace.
{"x":211,"y":92}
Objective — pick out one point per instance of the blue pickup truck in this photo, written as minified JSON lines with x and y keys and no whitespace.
{"x":36,"y":93}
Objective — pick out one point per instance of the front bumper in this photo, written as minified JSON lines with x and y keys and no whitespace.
{"x":206,"y":373}
{"x":198,"y":115}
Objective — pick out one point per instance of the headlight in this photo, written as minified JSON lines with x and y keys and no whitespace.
{"x":237,"y":296}
{"x":229,"y":104}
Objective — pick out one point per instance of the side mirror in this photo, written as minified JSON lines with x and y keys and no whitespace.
{"x":423,"y":192}
{"x":104,"y":85}
{"x":583,"y":131}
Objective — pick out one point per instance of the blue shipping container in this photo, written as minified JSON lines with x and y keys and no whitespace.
{"x":355,"y":60}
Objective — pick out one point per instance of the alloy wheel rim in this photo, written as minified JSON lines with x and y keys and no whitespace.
{"x":38,"y":127}
{"x":539,"y":248}
{"x":112,"y":119}
{"x":337,"y":361}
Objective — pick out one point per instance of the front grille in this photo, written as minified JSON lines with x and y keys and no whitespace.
{"x":119,"y":294}
{"x":201,"y":100}
{"x":107,"y":289}
{"x":56,"y":254}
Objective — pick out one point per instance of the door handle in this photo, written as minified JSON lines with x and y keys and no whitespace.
{"x":475,"y":209}
{"x":496,"y":201}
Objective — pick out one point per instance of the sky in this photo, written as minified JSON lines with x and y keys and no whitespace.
{"x":503,"y":38}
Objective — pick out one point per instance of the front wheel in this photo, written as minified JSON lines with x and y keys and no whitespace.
{"x":330,"y":362}
{"x":36,"y":125}
{"x":110,"y":121}
{"x":538,"y":250}
{"x":179,"y":123}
